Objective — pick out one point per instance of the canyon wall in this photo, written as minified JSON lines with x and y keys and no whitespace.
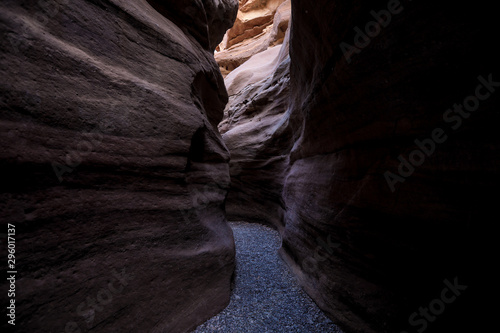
{"x":372,"y":149}
{"x":259,"y":25}
{"x":113,"y":171}
{"x":387,"y":200}
{"x":256,"y":126}
{"x":257,"y":133}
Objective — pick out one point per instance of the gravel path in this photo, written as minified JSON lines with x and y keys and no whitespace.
{"x":266,"y":297}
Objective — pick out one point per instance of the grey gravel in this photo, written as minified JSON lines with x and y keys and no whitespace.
{"x":266,"y":297}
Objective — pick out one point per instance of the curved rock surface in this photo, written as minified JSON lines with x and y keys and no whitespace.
{"x":257,"y":133}
{"x":372,"y":251}
{"x":113,"y":170}
{"x":206,"y":20}
{"x":373,"y":149}
{"x":256,"y":126}
{"x":374,"y":239}
{"x":259,"y":25}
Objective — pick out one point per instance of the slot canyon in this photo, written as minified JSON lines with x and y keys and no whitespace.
{"x":144,"y":140}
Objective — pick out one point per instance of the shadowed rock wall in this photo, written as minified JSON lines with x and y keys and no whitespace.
{"x":372,"y":237}
{"x":373,"y":150}
{"x":113,"y":171}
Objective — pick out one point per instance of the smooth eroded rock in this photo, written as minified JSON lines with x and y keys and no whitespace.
{"x":257,"y":131}
{"x":370,"y":250}
{"x":113,"y":170}
{"x":205,"y":20}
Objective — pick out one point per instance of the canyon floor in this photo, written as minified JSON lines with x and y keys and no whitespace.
{"x":265,"y":297}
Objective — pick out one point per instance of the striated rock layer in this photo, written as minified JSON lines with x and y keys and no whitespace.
{"x":113,"y":170}
{"x":374,"y":248}
{"x":256,"y":129}
{"x":259,"y":25}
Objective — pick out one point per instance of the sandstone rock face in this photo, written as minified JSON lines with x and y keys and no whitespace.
{"x":256,"y":129}
{"x":371,"y":250}
{"x":206,"y":20}
{"x":259,"y":25}
{"x":113,"y":170}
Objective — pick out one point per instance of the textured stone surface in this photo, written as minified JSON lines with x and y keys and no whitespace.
{"x":256,"y":126}
{"x":259,"y":25}
{"x":314,"y":165}
{"x":128,"y":232}
{"x":206,"y":20}
{"x":257,"y":133}
{"x":125,"y":102}
{"x":390,"y":252}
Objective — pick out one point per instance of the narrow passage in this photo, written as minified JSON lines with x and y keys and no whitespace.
{"x":266,"y":297}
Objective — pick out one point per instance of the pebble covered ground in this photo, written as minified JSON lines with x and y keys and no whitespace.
{"x":266,"y":297}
